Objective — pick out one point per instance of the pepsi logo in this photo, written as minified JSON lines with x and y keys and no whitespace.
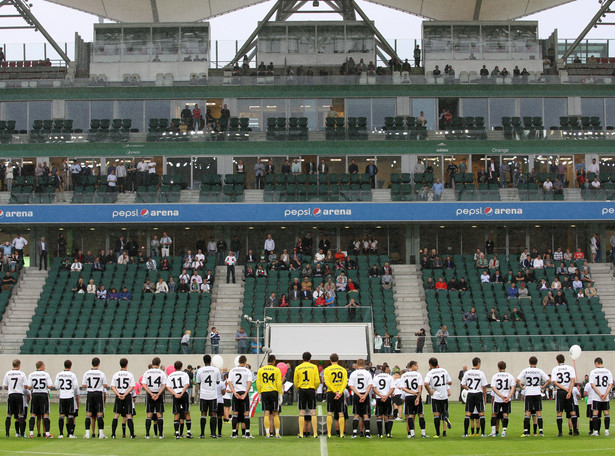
{"x":144,"y":213}
{"x":316,"y":212}
{"x":1,"y":213}
{"x":488,"y":210}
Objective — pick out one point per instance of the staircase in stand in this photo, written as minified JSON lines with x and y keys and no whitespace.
{"x":410,"y":306}
{"x":602,"y":275}
{"x":226,"y":306}
{"x":21,"y":309}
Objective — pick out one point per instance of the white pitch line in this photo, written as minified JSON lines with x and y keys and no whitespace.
{"x":324,"y":451}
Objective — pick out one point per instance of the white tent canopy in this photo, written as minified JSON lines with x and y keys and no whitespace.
{"x":196,"y":10}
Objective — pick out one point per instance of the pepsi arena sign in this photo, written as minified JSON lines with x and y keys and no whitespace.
{"x":17,"y":214}
{"x":316,"y":212}
{"x":144,"y":213}
{"x":488,"y":210}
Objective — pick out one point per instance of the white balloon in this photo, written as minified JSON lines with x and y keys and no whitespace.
{"x":237,"y":360}
{"x":464,"y":395}
{"x":217,"y":361}
{"x":575,"y":352}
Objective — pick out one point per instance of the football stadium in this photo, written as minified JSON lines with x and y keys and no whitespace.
{"x":317,"y":234}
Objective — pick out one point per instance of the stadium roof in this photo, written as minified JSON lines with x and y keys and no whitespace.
{"x":195,"y":10}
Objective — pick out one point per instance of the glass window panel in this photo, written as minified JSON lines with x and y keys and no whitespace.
{"x":136,"y":40}
{"x":79,"y":112}
{"x":194,"y":41}
{"x":248,"y":162}
{"x":428,"y":107}
{"x":475,"y":107}
{"x":500,"y":107}
{"x":165,"y":40}
{"x":157,"y":109}
{"x":251,"y":108}
{"x":107,"y":40}
{"x":304,"y":108}
{"x":428,"y":238}
{"x":102,"y":109}
{"x":273,"y":107}
{"x":132,"y":110}
{"x":610,"y":112}
{"x":530,"y":107}
{"x":359,"y":39}
{"x":524,"y":39}
{"x":17,"y":111}
{"x":272,"y":39}
{"x":361,"y":107}
{"x":437,"y":39}
{"x":554,"y":109}
{"x":466,"y":39}
{"x":496,"y":39}
{"x":39,"y":110}
{"x":302,"y":39}
{"x":386,"y":166}
{"x":330,"y":39}
{"x":337,"y":165}
{"x":323,"y":106}
{"x":202,"y":166}
{"x":593,"y":107}
{"x":179,"y":166}
{"x":381,"y":108}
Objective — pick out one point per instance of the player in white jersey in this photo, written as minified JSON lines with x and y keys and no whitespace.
{"x":474,"y":382}
{"x":588,"y":392}
{"x":209,"y":378}
{"x":95,"y":383}
{"x":503,"y":389}
{"x":39,"y":382}
{"x":15,"y":382}
{"x":576,"y":395}
{"x":411,"y":384}
{"x":563,"y":379}
{"x":397,"y":399}
{"x":178,"y":384}
{"x":240,"y":382}
{"x":68,"y":386}
{"x":383,"y":387}
{"x":529,"y":380}
{"x":360,"y":383}
{"x":154,"y":383}
{"x":123,"y":384}
{"x":601,"y":380}
{"x":437,"y":381}
{"x":221,"y":390}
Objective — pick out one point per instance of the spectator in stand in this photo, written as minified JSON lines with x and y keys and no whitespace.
{"x":512,"y":291}
{"x":183,"y":286}
{"x":548,"y":300}
{"x":125,"y":295}
{"x":386,"y":280}
{"x":113,"y":295}
{"x":430,"y":284}
{"x":259,"y":172}
{"x":547,"y":185}
{"x":560,"y":299}
{"x":377,"y":343}
{"x":437,"y":189}
{"x":441,"y":284}
{"x":493,"y":315}
{"x":80,"y":287}
{"x":517,"y":315}
{"x":579,"y":255}
{"x":481,"y":262}
{"x":148,"y":286}
{"x":269,"y":246}
{"x":151,"y":264}
{"x":352,"y":287}
{"x":214,"y":338}
{"x":484,"y":72}
{"x":76,"y":265}
{"x":442,"y":338}
{"x":161,"y":286}
{"x":470,"y":315}
{"x":101,"y":294}
{"x":91,"y":288}
{"x":241,"y":337}
{"x":494,"y":263}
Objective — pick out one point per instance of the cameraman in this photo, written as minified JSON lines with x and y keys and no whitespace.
{"x":420,"y":340}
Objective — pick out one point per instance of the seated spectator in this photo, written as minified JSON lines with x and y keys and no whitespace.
{"x":123,"y":258}
{"x":261,"y":273}
{"x":76,"y":266}
{"x":172,"y":285}
{"x":519,"y":277}
{"x":560,"y":299}
{"x":494,"y":263}
{"x":89,"y":258}
{"x":595,"y":185}
{"x":517,"y":315}
{"x":577,"y":283}
{"x":561,"y":269}
{"x":453,"y":285}
{"x":184,"y":276}
{"x":339,"y":255}
{"x":294,"y":293}
{"x":548,"y":261}
{"x":586,"y":278}
{"x":319,"y":257}
{"x":430,"y":284}
{"x":556,"y":284}
{"x":151,"y":264}
{"x":543,"y":285}
{"x":196,"y":278}
{"x":538,"y":263}
{"x":436,"y":263}
{"x":579,"y":255}
{"x":101,"y":293}
{"x":285,"y":257}
{"x":318,"y":270}
{"x":448,"y":263}
{"x":567,"y":255}
{"x":463,"y":285}
{"x":197,"y":264}
{"x":481,"y":262}
{"x":484,"y":72}
{"x":441,"y":284}
{"x":97,"y":265}
{"x":493,"y":315}
{"x":329,"y":258}
{"x":250,"y":271}
{"x":572,"y":270}
{"x":485,"y":277}
{"x":65,"y":264}
{"x":125,"y":295}
{"x":470,"y":315}
{"x":352,"y":287}
{"x":205,"y":288}
{"x":284,"y":301}
{"x":566,"y":283}
{"x":374,"y":271}
{"x":165,"y":265}
{"x":148,"y":286}
{"x":195,"y":287}
{"x":113,"y":294}
{"x":91,"y":288}
{"x":529,"y":277}
{"x":591,"y":291}
{"x":387,"y":281}
{"x":548,"y":300}
{"x":111,"y":258}
{"x":497,"y":277}
{"x":523,"y":292}
{"x":80,"y":287}
{"x":272,"y":301}
{"x":351,"y":264}
{"x":339,"y":265}
{"x":183,"y":286}
{"x":558,"y":187}
{"x":547,"y":185}
{"x":505,"y":317}
{"x":306,"y":283}
{"x":320,"y":300}
{"x":307,"y":271}
{"x":504,"y":73}
{"x":513,"y":291}
{"x":510,"y":277}
{"x":341,"y":282}
{"x":161,"y":286}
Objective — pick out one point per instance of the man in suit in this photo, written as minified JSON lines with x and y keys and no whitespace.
{"x":324,"y":244}
{"x":270,"y":168}
{"x":353,"y":168}
{"x":120,"y":245}
{"x":310,"y":168}
{"x":250,"y":259}
{"x":323,"y":168}
{"x":42,"y":253}
{"x":372,"y":170}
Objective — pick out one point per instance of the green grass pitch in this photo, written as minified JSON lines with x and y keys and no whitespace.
{"x":513,"y":444}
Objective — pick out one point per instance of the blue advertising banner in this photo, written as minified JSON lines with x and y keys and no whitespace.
{"x":307,"y":212}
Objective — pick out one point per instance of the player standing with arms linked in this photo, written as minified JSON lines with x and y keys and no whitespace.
{"x":383,"y":387}
{"x":95,"y":383}
{"x":39,"y":382}
{"x":154,"y":383}
{"x":240,"y":381}
{"x":601,"y":380}
{"x":307,"y":380}
{"x":503,"y":387}
{"x":411,"y":383}
{"x":336,"y":380}
{"x":15,"y":382}
{"x":122,"y":384}
{"x":178,"y":383}
{"x":437,"y":382}
{"x":269,"y":386}
{"x":209,"y":378}
{"x":532,"y":377}
{"x":360,"y":383}
{"x":564,"y":378}
{"x":68,"y":386}
{"x":475,"y":382}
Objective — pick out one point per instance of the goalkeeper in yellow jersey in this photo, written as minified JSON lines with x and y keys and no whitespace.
{"x":336,"y":379}
{"x":269,"y":386}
